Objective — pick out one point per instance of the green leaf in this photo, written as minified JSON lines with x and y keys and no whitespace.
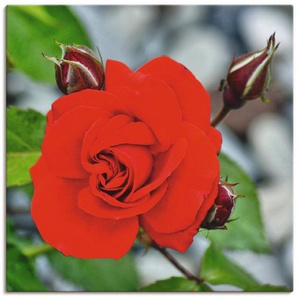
{"x":9,"y":63}
{"x":25,"y":130}
{"x":18,"y":165}
{"x":101,"y":275}
{"x":20,"y":275}
{"x":247,"y":231}
{"x":217,"y":269}
{"x":31,"y":31}
{"x":267,"y":288}
{"x":176,"y":284}
{"x":24,"y":135}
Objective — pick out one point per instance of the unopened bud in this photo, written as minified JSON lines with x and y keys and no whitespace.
{"x":223,"y":207}
{"x":78,"y":69}
{"x":249,"y":76}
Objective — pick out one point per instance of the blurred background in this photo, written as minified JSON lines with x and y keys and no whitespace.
{"x":259,"y":136}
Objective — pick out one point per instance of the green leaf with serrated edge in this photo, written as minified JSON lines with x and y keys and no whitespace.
{"x":31,"y":31}
{"x":98,"y":275}
{"x":267,"y":288}
{"x":176,"y":284}
{"x":20,"y":275}
{"x":247,"y":231}
{"x":217,"y":269}
{"x":24,"y":135}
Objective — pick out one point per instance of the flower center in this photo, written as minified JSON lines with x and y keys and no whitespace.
{"x":113,"y":176}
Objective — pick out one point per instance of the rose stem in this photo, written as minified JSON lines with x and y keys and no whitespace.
{"x":220,"y":116}
{"x":189,"y":275}
{"x":33,"y":251}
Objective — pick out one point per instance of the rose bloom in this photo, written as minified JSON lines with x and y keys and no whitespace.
{"x":140,"y":153}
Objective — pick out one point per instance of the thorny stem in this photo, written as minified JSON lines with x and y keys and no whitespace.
{"x":220,"y":116}
{"x":188,"y":274}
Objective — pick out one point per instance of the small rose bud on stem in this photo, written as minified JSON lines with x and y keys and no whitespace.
{"x":249,"y":77}
{"x":223,"y":207}
{"x":78,"y":69}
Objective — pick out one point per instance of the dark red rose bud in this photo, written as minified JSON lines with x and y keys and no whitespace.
{"x":223,"y":207}
{"x":249,"y":76}
{"x":78,"y":69}
{"x":232,"y":99}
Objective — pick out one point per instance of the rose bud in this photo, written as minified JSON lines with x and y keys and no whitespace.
{"x":78,"y":69}
{"x":249,"y":76}
{"x":223,"y":207}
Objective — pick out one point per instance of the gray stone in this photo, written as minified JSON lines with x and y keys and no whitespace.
{"x":271,"y":141}
{"x":203,"y":50}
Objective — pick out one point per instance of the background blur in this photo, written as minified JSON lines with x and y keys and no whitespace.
{"x":259,"y":136}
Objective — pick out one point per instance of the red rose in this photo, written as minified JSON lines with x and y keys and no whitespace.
{"x":141,"y":153}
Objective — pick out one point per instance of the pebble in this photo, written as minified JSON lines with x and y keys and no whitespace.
{"x":271,"y":141}
{"x":264,"y":268}
{"x":18,"y":201}
{"x":30,"y":94}
{"x":197,"y":47}
{"x":51,"y":278}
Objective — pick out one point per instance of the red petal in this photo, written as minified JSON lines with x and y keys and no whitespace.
{"x":98,"y":206}
{"x":134,"y":133}
{"x":179,"y":241}
{"x":183,"y":239}
{"x":189,"y":185}
{"x":108,"y":103}
{"x":152,"y":102}
{"x":63,"y":142}
{"x":50,"y":120}
{"x":39,"y":171}
{"x":207,"y":204}
{"x":164,"y":164}
{"x":216,"y":138}
{"x":117,"y":74}
{"x":193,"y":98}
{"x":66,"y":227}
{"x":118,"y":130}
{"x":137,"y":159}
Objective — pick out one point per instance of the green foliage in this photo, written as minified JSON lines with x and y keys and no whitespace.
{"x":25,"y":129}
{"x":24,"y":135}
{"x":18,"y":165}
{"x":217,"y":269}
{"x":11,"y":237}
{"x":101,"y":275}
{"x":176,"y":284}
{"x":20,"y":276}
{"x":247,"y":231}
{"x":31,"y":30}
